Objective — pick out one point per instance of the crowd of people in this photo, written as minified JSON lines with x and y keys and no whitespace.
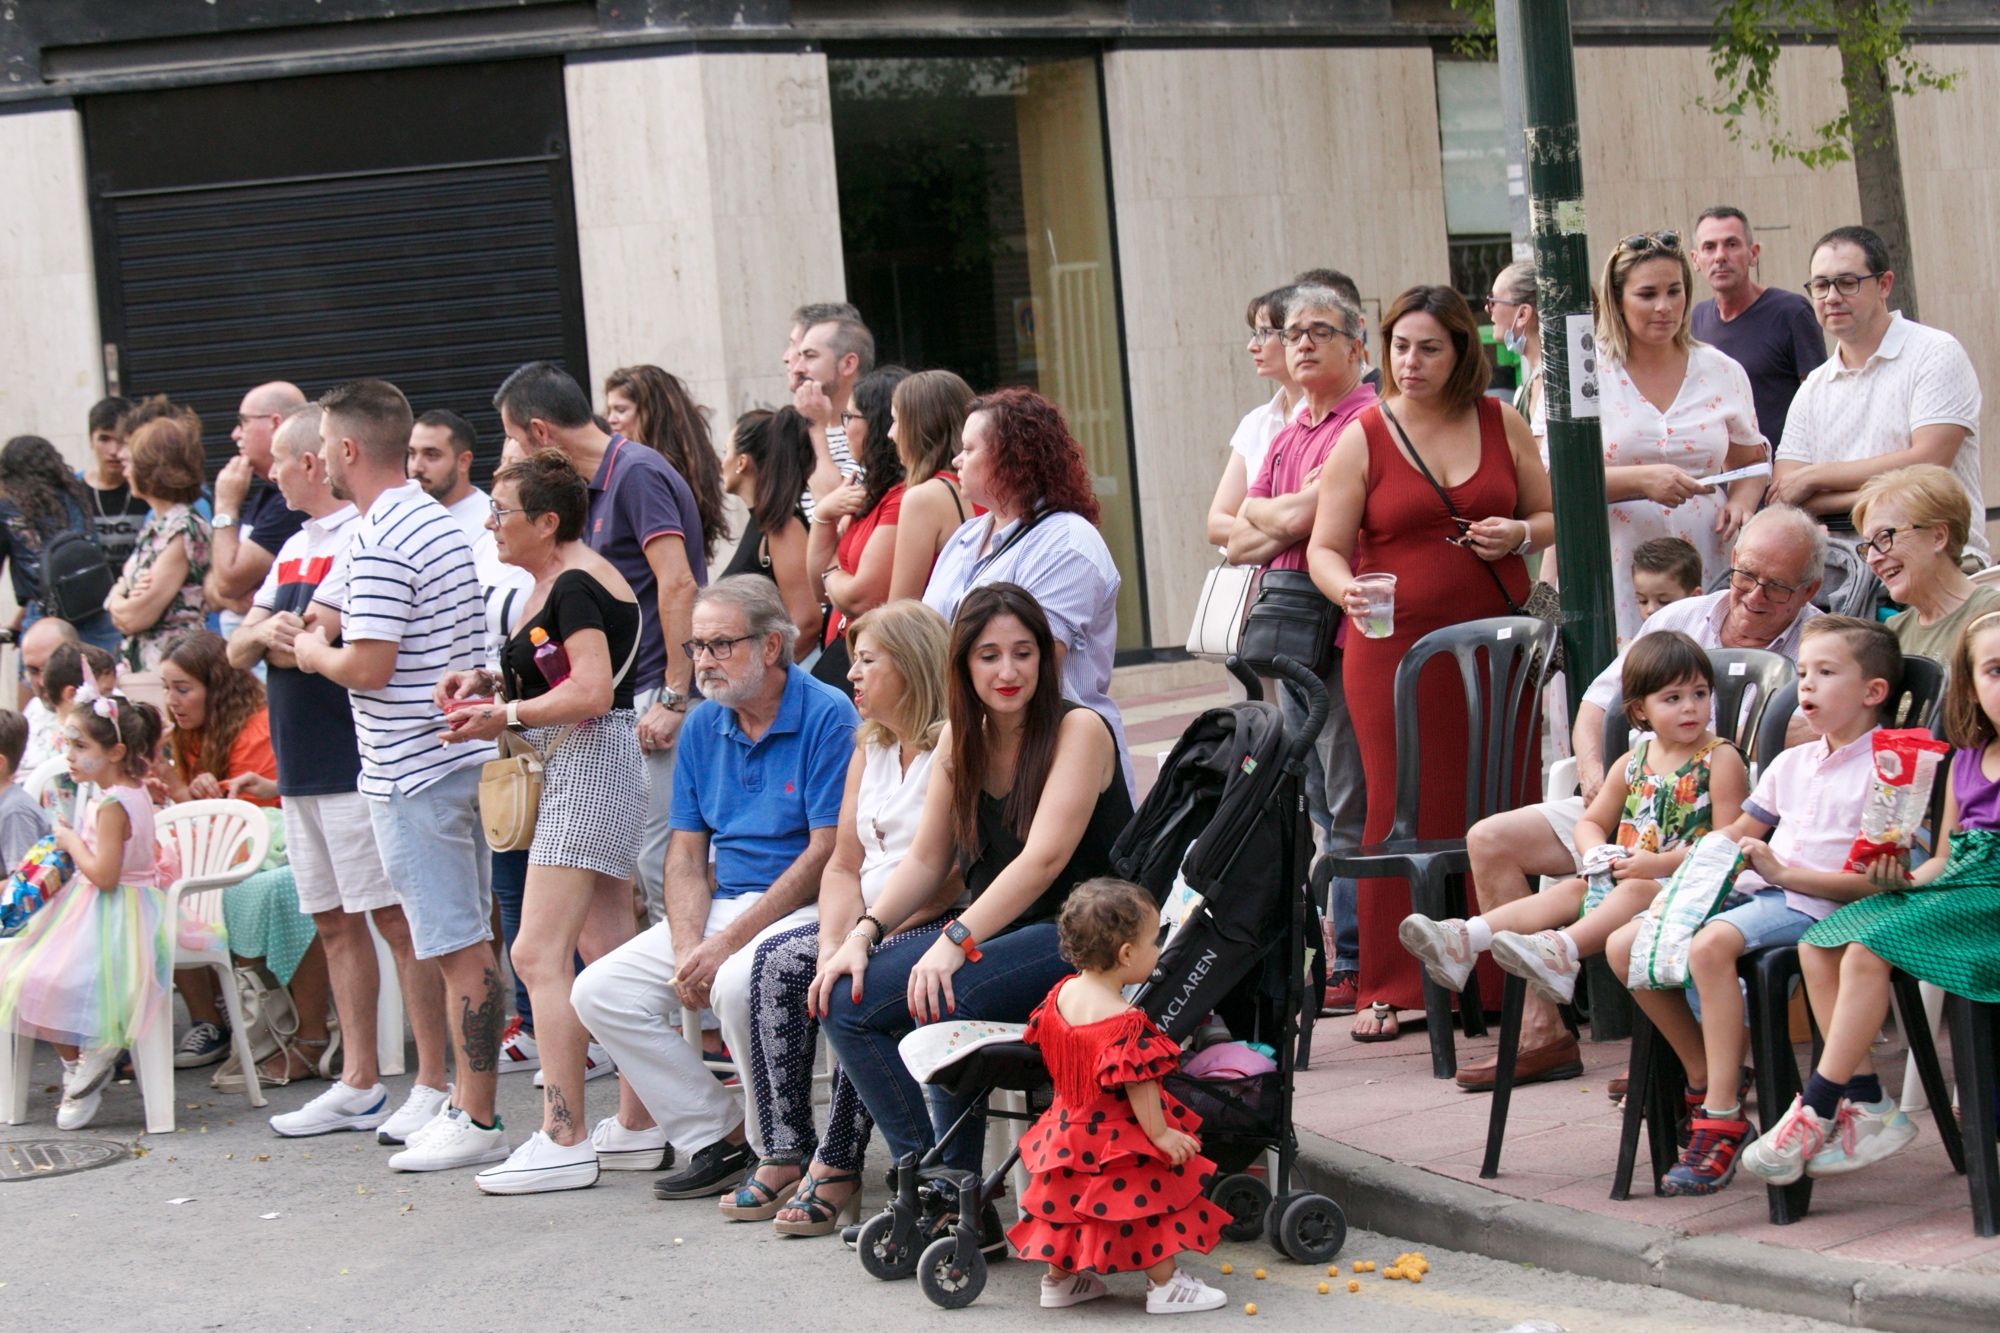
{"x":837,"y":770}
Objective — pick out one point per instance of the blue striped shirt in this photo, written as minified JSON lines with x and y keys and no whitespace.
{"x":408,"y":578}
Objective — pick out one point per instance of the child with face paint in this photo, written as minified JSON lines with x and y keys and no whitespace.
{"x":62,"y":676}
{"x":90,"y":971}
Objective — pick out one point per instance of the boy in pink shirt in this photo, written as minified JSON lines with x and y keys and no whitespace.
{"x":1812,"y":795}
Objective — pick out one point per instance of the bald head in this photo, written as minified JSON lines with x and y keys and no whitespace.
{"x":38,"y":641}
{"x":257,"y":419}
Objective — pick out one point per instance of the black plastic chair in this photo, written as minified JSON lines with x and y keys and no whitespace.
{"x":1768,"y":679}
{"x":1919,"y":701}
{"x":1503,"y":665}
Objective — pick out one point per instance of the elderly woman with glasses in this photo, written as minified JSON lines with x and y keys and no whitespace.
{"x":1674,"y":413}
{"x":1914,"y":522}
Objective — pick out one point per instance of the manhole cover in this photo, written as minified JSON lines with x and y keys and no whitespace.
{"x":33,"y":1159}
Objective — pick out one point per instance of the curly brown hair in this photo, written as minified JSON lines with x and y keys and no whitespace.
{"x":1100,"y":917}
{"x":667,"y":419}
{"x":1036,"y":459}
{"x":234,"y":697}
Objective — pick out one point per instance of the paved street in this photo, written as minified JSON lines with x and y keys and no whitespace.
{"x":354,"y":1246}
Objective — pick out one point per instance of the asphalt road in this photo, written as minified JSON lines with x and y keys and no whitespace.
{"x":318,"y":1234}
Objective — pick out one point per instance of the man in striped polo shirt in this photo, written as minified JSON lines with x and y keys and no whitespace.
{"x":405,"y":603}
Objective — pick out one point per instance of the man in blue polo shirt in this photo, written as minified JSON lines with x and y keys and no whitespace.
{"x":760,"y":774}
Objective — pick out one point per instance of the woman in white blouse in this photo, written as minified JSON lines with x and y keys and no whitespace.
{"x":1261,"y":424}
{"x":898,"y":672}
{"x":1675,"y":411}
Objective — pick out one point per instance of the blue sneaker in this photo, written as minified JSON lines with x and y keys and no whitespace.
{"x":1862,"y":1136}
{"x":1709,"y":1162}
{"x":204,"y":1044}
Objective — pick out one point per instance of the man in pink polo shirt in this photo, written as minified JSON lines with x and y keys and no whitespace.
{"x":1324,"y":352}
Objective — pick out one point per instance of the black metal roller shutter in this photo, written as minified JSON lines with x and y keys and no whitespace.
{"x":438,"y":275}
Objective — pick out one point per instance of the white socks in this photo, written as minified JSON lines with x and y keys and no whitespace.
{"x":1478,"y":934}
{"x":1569,"y":947}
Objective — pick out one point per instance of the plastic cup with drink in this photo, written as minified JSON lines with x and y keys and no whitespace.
{"x":1377,"y":617}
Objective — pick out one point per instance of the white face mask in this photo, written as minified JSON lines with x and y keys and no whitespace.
{"x":1515,"y":342}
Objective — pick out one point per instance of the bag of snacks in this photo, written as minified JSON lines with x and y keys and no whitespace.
{"x":1906,"y":764}
{"x":1597,"y":866}
{"x":39,"y":877}
{"x":1666,"y":929}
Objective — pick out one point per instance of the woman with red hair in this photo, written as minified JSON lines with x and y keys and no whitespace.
{"x":1039,"y":530}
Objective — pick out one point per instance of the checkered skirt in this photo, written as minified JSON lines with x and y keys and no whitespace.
{"x":593,"y":796}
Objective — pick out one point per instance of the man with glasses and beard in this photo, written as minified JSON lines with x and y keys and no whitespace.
{"x":763,"y":763}
{"x":1894,"y":393}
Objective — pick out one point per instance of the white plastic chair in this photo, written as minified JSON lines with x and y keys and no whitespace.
{"x":38,"y":782}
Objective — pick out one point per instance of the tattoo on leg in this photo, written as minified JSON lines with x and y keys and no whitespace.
{"x":479,"y":1029}
{"x":559,"y":1115}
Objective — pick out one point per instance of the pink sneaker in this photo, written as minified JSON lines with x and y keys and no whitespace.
{"x":1542,"y":960}
{"x":1443,"y":947}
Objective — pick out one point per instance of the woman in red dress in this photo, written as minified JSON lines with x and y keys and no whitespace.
{"x":1379,"y":514}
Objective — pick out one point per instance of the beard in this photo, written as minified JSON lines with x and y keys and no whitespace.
{"x":728,"y":691}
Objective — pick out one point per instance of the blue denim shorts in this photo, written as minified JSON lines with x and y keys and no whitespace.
{"x":434,"y":851}
{"x":1764,"y":920}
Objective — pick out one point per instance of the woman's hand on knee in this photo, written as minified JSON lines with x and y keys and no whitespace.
{"x":850,"y":960}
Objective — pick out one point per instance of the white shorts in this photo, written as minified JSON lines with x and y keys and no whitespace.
{"x":1563,"y":815}
{"x":330,"y":841}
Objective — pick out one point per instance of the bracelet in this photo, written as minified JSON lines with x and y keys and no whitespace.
{"x":875,"y":921}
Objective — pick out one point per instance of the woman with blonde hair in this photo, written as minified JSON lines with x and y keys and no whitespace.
{"x":1674,"y":411}
{"x":898,"y":674}
{"x":1914,"y":522}
{"x":1517,"y":326}
{"x":927,"y":421}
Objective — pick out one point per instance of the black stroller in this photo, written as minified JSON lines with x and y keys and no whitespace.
{"x":1229,"y":816}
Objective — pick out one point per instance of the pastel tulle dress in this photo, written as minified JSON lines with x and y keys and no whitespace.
{"x":93,"y":967}
{"x":1100,"y":1196}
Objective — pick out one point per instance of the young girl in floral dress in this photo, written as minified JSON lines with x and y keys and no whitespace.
{"x":1116,"y":1174}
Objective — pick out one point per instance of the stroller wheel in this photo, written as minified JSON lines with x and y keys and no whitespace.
{"x":951,"y":1280}
{"x":1244,"y":1198}
{"x":888,"y":1245}
{"x":1310,"y":1229}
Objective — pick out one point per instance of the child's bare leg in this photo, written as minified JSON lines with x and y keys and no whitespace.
{"x":69,"y":1053}
{"x":1850,"y":1025}
{"x":1550,"y":909}
{"x":1161,"y":1272}
{"x":1712,"y":968}
{"x":1667,"y":1010}
{"x":1626,"y":900}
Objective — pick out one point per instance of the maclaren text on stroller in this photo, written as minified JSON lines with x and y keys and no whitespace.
{"x":1229,"y":816}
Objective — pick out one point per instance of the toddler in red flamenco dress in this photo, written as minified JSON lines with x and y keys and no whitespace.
{"x":1116,"y":1173}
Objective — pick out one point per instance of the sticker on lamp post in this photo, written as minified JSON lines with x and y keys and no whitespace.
{"x":1583,"y":389}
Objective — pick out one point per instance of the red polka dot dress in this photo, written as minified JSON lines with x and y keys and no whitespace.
{"x":1100,"y":1196}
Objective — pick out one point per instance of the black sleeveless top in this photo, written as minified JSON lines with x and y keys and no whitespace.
{"x":998,"y":846}
{"x":576,"y":601}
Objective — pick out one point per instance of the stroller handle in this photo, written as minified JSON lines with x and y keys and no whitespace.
{"x":1299,"y":743}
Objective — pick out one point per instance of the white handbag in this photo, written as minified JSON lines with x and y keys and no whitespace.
{"x":1226,"y":595}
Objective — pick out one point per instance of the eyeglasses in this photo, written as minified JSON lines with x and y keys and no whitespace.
{"x":846,"y":417}
{"x":1847,"y":284}
{"x":1315,"y":334}
{"x":1263,"y":333}
{"x":719,"y":649}
{"x":1744,"y":582}
{"x":1646,"y":242}
{"x":502,"y":512}
{"x":1882,"y":541}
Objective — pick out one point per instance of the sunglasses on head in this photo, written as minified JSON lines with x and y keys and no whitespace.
{"x":1647,"y":242}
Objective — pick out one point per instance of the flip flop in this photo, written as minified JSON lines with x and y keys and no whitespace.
{"x":1388,"y":1028}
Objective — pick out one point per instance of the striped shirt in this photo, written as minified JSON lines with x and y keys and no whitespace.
{"x":407,"y":578}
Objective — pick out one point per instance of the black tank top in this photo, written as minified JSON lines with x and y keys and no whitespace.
{"x":998,"y":846}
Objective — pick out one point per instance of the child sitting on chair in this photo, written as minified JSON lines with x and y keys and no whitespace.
{"x":1676,"y":784}
{"x":1115,"y":1171}
{"x":1813,"y":795}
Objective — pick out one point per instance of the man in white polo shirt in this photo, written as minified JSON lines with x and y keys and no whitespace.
{"x":1895,"y":392}
{"x":408,"y":606}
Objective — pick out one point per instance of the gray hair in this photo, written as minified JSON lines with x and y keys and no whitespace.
{"x":1517,"y":280}
{"x":763,"y":610}
{"x":1314,"y":297}
{"x":298,"y":433}
{"x":1805,"y":530}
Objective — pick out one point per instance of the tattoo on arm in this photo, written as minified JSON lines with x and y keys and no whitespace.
{"x":479,"y":1029}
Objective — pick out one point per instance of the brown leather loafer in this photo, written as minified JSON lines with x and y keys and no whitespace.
{"x":1544,"y":1064}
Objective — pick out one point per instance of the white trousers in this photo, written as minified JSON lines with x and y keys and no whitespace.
{"x":626,"y":1000}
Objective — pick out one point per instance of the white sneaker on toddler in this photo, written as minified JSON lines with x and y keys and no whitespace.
{"x":1059,"y":1293}
{"x":1780,"y":1157}
{"x":1443,"y":947}
{"x":1183,"y":1293}
{"x":1862,"y":1136}
{"x":1542,"y":960}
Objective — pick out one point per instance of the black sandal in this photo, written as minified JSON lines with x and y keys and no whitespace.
{"x":822,"y":1218}
{"x":1384,"y":1017}
{"x":754,"y":1201}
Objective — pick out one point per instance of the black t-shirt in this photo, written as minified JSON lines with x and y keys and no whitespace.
{"x":267,"y":520}
{"x":312,"y":721}
{"x":1777,"y":341}
{"x":576,"y":602}
{"x":116,"y":516}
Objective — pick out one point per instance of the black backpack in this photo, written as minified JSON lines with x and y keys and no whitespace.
{"x":76,"y":575}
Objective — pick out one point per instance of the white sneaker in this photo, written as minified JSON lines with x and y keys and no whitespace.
{"x":1780,"y":1157}
{"x":622,"y":1149}
{"x":449,"y":1141}
{"x":1443,"y":947}
{"x":517,"y":1050}
{"x":76,"y":1112}
{"x":541,"y":1166}
{"x":1070,"y":1289}
{"x":1183,"y":1293}
{"x":341,"y":1106}
{"x":596,"y":1064}
{"x":1541,"y":959}
{"x":1862,"y":1136}
{"x":91,"y":1071}
{"x":422,"y":1106}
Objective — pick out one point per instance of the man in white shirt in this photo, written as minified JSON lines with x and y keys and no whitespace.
{"x":1895,"y":392}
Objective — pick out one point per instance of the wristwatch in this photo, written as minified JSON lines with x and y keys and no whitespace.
{"x":221,"y":521}
{"x":959,"y":935}
{"x":1527,"y":543}
{"x":673,"y":700}
{"x":513,"y":712}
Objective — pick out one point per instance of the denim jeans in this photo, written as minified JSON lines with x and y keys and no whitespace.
{"x":1014,"y":974}
{"x":510,"y":881}
{"x":1337,"y":800}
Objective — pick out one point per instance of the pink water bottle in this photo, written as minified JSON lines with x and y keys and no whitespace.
{"x":550,"y":657}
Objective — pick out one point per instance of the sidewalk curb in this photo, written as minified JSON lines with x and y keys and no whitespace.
{"x":1400,"y":1200}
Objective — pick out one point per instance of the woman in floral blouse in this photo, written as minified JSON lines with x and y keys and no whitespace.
{"x":158,"y":598}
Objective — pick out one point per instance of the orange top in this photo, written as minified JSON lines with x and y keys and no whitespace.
{"x":251,"y":753}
